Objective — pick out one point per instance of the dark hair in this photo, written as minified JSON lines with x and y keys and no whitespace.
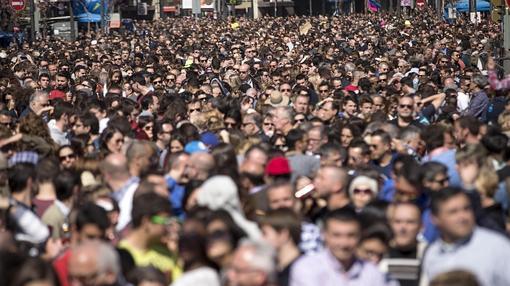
{"x":19,"y":175}
{"x":429,"y":170}
{"x":146,"y":101}
{"x":90,"y":213}
{"x":65,"y":184}
{"x":146,"y":205}
{"x":293,"y":137}
{"x":88,"y":119}
{"x":138,"y":78}
{"x":34,"y":269}
{"x":495,"y":142}
{"x":284,"y":218}
{"x":471,"y":123}
{"x":433,"y":135}
{"x":236,"y":232}
{"x":147,"y":274}
{"x":345,"y":214}
{"x":438,"y":198}
{"x":63,"y":108}
{"x":47,"y":169}
{"x":106,"y":135}
{"x":379,"y":231}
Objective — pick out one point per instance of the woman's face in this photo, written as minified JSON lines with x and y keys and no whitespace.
{"x":148,"y":129}
{"x":176,"y":146}
{"x":116,"y":78}
{"x":361,"y":196}
{"x":219,"y":242}
{"x":115,"y":143}
{"x":346,"y":137}
{"x":67,"y":157}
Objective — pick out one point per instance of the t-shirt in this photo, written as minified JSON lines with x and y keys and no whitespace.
{"x":157,"y":256}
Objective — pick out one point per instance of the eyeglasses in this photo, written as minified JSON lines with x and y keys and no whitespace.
{"x":268,"y":124}
{"x":148,"y":127}
{"x":362,"y":191}
{"x":285,"y":90}
{"x":230,"y":124}
{"x":170,"y":79}
{"x":444,"y":62}
{"x":323,"y":90}
{"x":247,"y":123}
{"x":405,"y":106}
{"x":117,"y":59}
{"x":299,"y":119}
{"x":382,"y":80}
{"x":194,"y":110}
{"x":65,"y":157}
{"x":161,"y":220}
{"x":157,"y":82}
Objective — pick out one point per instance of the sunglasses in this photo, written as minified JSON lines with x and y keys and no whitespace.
{"x":65,"y":157}
{"x":442,"y":181}
{"x":268,"y":124}
{"x":162,"y":220}
{"x":148,"y":127}
{"x":157,"y":82}
{"x":193,"y":110}
{"x":362,"y":191}
{"x":406,"y":106}
{"x":299,"y":119}
{"x":323,"y":90}
{"x":285,"y":90}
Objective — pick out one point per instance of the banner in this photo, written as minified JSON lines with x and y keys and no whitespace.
{"x":204,"y":4}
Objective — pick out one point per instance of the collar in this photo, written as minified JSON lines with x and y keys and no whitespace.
{"x":445,"y":247}
{"x":119,"y":194}
{"x":62,"y":207}
{"x":353,"y":272}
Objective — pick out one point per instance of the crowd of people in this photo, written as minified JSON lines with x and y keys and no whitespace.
{"x":353,"y":150}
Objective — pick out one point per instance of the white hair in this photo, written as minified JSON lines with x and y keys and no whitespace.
{"x":262,"y":257}
{"x":107,"y":259}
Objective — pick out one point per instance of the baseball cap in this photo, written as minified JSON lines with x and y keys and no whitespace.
{"x":210,"y":139}
{"x":54,"y":94}
{"x":195,"y":147}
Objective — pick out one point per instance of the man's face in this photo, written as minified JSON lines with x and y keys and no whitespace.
{"x":366,"y":109}
{"x":194,"y":108}
{"x":248,"y":127}
{"x":455,"y":217}
{"x":322,"y":183}
{"x":79,"y":128}
{"x":244,"y":72}
{"x":155,"y":103}
{"x":44,"y":82}
{"x":61,"y":82}
{"x":439,"y":182}
{"x":378,"y":104}
{"x":332,"y":159}
{"x":81,"y":73}
{"x":406,"y":107}
{"x":323,"y":91}
{"x":406,"y":224}
{"x":52,"y":69}
{"x":350,"y":107}
{"x":342,"y":238}
{"x":378,"y":148}
{"x":41,"y":103}
{"x":302,"y":104}
{"x":279,"y":120}
{"x":281,"y":197}
{"x":314,"y":140}
{"x":326,"y":112}
{"x":286,"y":90}
{"x":242,"y":273}
{"x":356,"y":158}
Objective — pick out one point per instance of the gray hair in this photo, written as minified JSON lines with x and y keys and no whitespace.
{"x":263,"y":257}
{"x":287,"y":111}
{"x":480,"y":80}
{"x":409,"y":133}
{"x":37,"y":95}
{"x":107,"y":259}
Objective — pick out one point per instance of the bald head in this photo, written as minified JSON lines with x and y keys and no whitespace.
{"x":115,"y":167}
{"x":330,"y":179}
{"x":251,"y":167}
{"x":199,"y":166}
{"x":94,"y":259}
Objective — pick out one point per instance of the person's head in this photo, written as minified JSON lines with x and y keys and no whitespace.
{"x":283,"y":119}
{"x":86,"y":124}
{"x":21,"y":178}
{"x":147,"y":276}
{"x":112,"y":140}
{"x":374,"y":242}
{"x":67,"y":156}
{"x":478,"y":82}
{"x":465,"y":128}
{"x":34,"y":272}
{"x":62,"y":81}
{"x":434,"y":176}
{"x":163,"y":131}
{"x":93,"y":263}
{"x":470,"y":159}
{"x":455,"y":278}
{"x":316,"y":136}
{"x":406,"y":107}
{"x":411,"y":137}
{"x":452,"y":213}
{"x":330,"y":180}
{"x":200,"y":166}
{"x":281,"y":195}
{"x":223,"y":236}
{"x":253,"y":264}
{"x":141,"y":157}
{"x":38,"y":101}
{"x":362,"y":190}
{"x":281,"y":227}
{"x":151,"y":213}
{"x":348,"y":133}
{"x":301,"y":103}
{"x":332,"y":154}
{"x":90,"y":222}
{"x":349,"y":106}
{"x":115,"y":169}
{"x":251,"y":124}
{"x":358,"y":154}
{"x":342,"y":232}
{"x":380,"y":145}
{"x":328,"y":111}
{"x":405,"y":222}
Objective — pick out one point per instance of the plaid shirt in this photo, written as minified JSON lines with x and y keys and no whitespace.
{"x":497,"y":84}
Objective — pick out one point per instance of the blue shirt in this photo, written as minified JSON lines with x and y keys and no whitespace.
{"x":176,"y":194}
{"x":325,"y":270}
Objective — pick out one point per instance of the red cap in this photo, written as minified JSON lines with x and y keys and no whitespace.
{"x":278,"y":166}
{"x":54,"y":94}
